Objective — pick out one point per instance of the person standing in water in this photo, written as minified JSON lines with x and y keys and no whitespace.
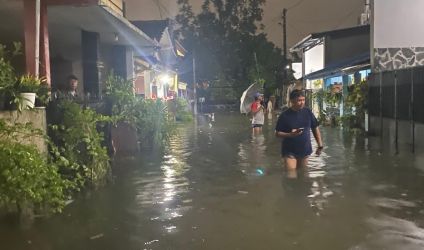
{"x":258,"y":112}
{"x":294,"y":126}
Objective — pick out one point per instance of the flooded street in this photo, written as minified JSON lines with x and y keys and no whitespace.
{"x":217,"y":187}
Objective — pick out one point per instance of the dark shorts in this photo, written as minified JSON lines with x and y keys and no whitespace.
{"x":257,"y":125}
{"x":294,"y":155}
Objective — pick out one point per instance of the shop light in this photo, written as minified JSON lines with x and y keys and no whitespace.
{"x":165,"y":79}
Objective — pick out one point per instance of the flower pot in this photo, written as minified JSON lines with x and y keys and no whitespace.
{"x":27,"y":100}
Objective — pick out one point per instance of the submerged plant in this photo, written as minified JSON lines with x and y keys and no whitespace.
{"x":81,"y":143}
{"x":356,"y":103}
{"x":182,"y":112}
{"x":28,"y":177}
{"x":154,"y":125}
{"x":150,"y":118}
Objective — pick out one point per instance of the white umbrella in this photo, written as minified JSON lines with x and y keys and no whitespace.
{"x":248,"y":97}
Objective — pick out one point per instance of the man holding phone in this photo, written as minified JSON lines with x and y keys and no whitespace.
{"x":294,"y":126}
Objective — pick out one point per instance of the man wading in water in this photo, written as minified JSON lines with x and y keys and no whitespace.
{"x":294,"y":126}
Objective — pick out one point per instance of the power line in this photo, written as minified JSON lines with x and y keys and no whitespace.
{"x":295,"y":5}
{"x":163,"y":7}
{"x":158,"y":6}
{"x":345,"y":18}
{"x":289,"y":8}
{"x":294,"y":28}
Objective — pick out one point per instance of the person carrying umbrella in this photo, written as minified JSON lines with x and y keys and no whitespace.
{"x":258,"y":113}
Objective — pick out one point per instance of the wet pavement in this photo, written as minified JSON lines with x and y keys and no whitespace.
{"x":219,"y":187}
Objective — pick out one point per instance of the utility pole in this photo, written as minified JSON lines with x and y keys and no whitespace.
{"x":284,"y":17}
{"x":284,"y":24}
{"x":194,"y":84}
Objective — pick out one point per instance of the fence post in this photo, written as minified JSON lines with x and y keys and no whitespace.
{"x":381,"y":108}
{"x":396,"y":115}
{"x":412,"y":111}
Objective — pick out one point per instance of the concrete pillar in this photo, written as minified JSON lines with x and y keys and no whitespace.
{"x":30,"y":39}
{"x":119,"y":62}
{"x":123,"y":62}
{"x":29,"y":29}
{"x":130,"y":63}
{"x":357,"y":77}
{"x":92,"y":66}
{"x":44,"y":44}
{"x":345,"y":93}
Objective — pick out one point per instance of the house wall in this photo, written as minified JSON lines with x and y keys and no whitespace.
{"x":398,"y":73}
{"x":106,"y":57}
{"x":66,"y":57}
{"x":398,"y":23}
{"x":314,"y":59}
{"x":345,"y":46}
{"x":148,"y":78}
{"x":38,"y":119}
{"x":397,"y":39}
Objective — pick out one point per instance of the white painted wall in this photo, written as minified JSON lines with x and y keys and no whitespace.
{"x":147,"y":83}
{"x":314,"y":59}
{"x":297,"y":68}
{"x":398,"y":23}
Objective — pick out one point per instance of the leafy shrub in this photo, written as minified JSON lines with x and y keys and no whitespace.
{"x":79,"y":141}
{"x":120,"y":98}
{"x":182,"y":111}
{"x":356,"y":103}
{"x":154,"y":126}
{"x":7,"y":72}
{"x":149,"y":117}
{"x":26,"y":175}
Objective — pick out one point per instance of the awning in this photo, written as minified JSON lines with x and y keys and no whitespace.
{"x":342,"y":67}
{"x":66,"y":23}
{"x":316,"y":38}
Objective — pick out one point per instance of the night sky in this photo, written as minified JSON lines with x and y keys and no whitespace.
{"x":303,"y":16}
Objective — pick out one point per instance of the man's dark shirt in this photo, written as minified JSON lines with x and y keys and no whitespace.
{"x":299,"y":146}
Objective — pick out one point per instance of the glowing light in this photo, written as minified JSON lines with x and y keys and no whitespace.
{"x":165,"y":79}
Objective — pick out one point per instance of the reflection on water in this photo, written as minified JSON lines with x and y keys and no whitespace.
{"x":393,"y":233}
{"x":217,"y":186}
{"x":167,"y":190}
{"x":252,"y":158}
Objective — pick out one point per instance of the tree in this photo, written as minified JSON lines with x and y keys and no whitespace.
{"x":225,"y":36}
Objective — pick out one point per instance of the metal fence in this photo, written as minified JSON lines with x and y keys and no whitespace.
{"x":397,"y":95}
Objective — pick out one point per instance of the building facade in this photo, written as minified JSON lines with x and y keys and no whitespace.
{"x":397,"y":86}
{"x":332,"y":61}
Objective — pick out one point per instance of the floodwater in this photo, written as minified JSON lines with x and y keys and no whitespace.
{"x":219,"y":187}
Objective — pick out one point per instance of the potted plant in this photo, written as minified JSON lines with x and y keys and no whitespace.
{"x":26,"y":89}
